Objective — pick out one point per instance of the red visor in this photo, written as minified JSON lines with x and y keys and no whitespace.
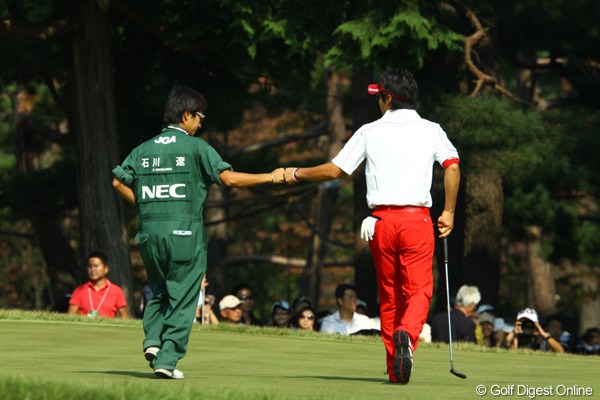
{"x":375,"y":88}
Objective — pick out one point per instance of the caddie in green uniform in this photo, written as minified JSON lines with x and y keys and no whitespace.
{"x":167,"y":177}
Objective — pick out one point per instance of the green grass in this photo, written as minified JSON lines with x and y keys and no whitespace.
{"x":54,"y":356}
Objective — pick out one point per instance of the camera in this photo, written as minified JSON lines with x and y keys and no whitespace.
{"x":528,"y":327}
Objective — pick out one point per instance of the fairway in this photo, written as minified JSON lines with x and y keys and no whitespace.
{"x":104,"y":360}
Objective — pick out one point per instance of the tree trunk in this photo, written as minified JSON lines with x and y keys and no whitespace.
{"x":364,"y":111}
{"x":542,"y":291}
{"x":589,"y":313}
{"x":327,"y":194}
{"x":59,"y":256}
{"x":95,"y":129}
{"x":484,"y":203}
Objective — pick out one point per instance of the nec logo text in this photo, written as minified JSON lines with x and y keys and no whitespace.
{"x":162,"y":191}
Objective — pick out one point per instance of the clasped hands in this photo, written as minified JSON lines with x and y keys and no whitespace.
{"x":284,"y":175}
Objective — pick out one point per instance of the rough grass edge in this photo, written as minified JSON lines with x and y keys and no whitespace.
{"x":26,"y":388}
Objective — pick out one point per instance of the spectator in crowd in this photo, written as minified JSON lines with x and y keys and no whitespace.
{"x":298,"y":304}
{"x":486,"y":322}
{"x":204,"y":311}
{"x":589,"y":343}
{"x":503,"y":333}
{"x":305,"y":320}
{"x":463,"y":328}
{"x":485,"y":308}
{"x":345,"y":321}
{"x":231,"y":310}
{"x":281,"y":316}
{"x":361,"y":308}
{"x":245,"y":294}
{"x":99,"y":296}
{"x":554,"y":326}
{"x":476,"y":318}
{"x":528,"y":333}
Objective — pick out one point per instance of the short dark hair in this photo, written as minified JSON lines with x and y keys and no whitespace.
{"x":402,"y":83}
{"x":180,"y":100}
{"x":239,"y":287}
{"x":100,"y":255}
{"x":341,"y":289}
{"x":590,"y":332}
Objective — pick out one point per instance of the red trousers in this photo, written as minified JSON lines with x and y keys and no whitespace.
{"x":402,"y":249}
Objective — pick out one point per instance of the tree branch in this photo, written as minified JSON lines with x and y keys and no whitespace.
{"x":280,"y":260}
{"x":320,"y":129}
{"x":41,"y":31}
{"x":471,"y":41}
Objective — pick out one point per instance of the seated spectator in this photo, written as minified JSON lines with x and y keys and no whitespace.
{"x":589,"y":343}
{"x":486,"y":322}
{"x":485,"y":308}
{"x":299,"y":303}
{"x":305,"y":321}
{"x":245,"y":294}
{"x":463,"y":328}
{"x":528,"y":333}
{"x":503,"y":333}
{"x":281,"y":316}
{"x":99,"y":296}
{"x":554,"y":326}
{"x":231,"y":310}
{"x":204,"y":311}
{"x":345,"y":321}
{"x":361,"y":308}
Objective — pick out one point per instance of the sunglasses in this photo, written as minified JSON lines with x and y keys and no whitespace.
{"x":304,"y":316}
{"x":246,"y":297}
{"x":202,"y":116}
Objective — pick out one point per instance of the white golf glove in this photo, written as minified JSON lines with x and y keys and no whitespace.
{"x":367,"y":229}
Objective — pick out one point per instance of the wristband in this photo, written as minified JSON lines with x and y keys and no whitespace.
{"x":294,"y":177}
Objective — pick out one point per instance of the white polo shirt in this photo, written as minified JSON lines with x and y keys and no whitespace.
{"x":400,"y":149}
{"x":333,"y":324}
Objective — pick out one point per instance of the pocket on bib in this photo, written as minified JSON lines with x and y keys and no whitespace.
{"x":183,"y":245}
{"x":141,"y":237}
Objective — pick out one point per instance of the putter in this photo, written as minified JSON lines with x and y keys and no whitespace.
{"x":452,"y":370}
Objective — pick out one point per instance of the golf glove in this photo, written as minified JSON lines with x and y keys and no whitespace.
{"x":367,"y":229}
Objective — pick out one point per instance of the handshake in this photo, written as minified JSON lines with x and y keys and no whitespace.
{"x":287,"y":175}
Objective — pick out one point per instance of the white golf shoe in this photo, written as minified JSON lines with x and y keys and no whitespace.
{"x":165,"y":373}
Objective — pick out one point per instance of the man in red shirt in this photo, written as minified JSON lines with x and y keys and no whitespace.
{"x":99,"y":296}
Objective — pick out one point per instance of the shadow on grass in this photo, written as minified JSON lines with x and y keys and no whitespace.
{"x":340,"y":378}
{"x":135,"y":374}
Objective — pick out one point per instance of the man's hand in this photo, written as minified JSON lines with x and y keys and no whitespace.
{"x":277,"y":175}
{"x":289,"y":177}
{"x":445,"y":223}
{"x":367,"y":229}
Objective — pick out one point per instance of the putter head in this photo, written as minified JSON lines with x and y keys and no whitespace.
{"x":459,"y":374}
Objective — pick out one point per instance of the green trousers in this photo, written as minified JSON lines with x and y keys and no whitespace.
{"x":174,"y":254}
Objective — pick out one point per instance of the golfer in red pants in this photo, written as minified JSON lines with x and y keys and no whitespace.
{"x":399,"y":149}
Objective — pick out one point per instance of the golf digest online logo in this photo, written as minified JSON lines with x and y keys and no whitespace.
{"x":532,"y":392}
